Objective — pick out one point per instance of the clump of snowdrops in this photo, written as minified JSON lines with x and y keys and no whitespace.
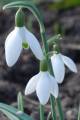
{"x":52,"y":64}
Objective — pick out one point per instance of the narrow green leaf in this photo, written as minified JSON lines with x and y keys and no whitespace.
{"x":3,"y":2}
{"x":14,"y":112}
{"x":9,"y":115}
{"x":59,"y":106}
{"x":20,"y":102}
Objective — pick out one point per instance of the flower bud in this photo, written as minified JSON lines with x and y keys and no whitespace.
{"x":56,"y":48}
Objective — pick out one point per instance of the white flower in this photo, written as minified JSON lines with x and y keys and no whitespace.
{"x":58,"y":61}
{"x":44,"y":84}
{"x":13,"y":45}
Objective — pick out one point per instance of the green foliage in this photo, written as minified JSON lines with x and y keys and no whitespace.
{"x":64,"y":4}
{"x":52,"y":5}
{"x":13,"y":113}
{"x":59,"y":106}
{"x":3,"y":2}
{"x":20,"y":102}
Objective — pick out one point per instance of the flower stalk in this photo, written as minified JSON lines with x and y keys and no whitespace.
{"x":42,"y":112}
{"x":60,"y":108}
{"x":46,"y":50}
{"x":52,"y":100}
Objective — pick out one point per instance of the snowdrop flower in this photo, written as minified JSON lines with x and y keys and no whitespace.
{"x":44,"y":84}
{"x":58,"y":61}
{"x":15,"y":40}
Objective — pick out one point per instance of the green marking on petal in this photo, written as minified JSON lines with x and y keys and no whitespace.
{"x":25,"y":45}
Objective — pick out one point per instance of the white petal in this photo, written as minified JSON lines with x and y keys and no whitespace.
{"x":34,"y":44}
{"x":43,"y":88}
{"x":21,"y":31}
{"x":13,"y":47}
{"x":31,"y":86}
{"x":54,"y":87}
{"x":58,"y":67}
{"x":32,"y":41}
{"x":69,"y":63}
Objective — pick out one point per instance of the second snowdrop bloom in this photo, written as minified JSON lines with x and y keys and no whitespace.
{"x":44,"y":84}
{"x":19,"y":36}
{"x":58,"y":61}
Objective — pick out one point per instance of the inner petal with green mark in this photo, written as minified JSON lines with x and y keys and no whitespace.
{"x":25,"y":45}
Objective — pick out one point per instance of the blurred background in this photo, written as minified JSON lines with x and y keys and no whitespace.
{"x":60,"y":16}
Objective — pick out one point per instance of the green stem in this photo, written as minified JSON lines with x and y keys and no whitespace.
{"x":45,"y":45}
{"x":51,"y":71}
{"x":49,"y":115}
{"x":52,"y":100}
{"x":46,"y":49}
{"x":41,"y":112}
{"x":60,"y":108}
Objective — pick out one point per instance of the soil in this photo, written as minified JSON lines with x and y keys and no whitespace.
{"x":14,"y":79}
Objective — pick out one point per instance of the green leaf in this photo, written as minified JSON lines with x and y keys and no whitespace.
{"x":13,"y":114}
{"x":9,"y":115}
{"x":3,"y":2}
{"x":20,"y":102}
{"x":64,"y":4}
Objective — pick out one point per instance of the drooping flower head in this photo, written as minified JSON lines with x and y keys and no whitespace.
{"x":44,"y":84}
{"x":58,"y":61}
{"x":17,"y":38}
